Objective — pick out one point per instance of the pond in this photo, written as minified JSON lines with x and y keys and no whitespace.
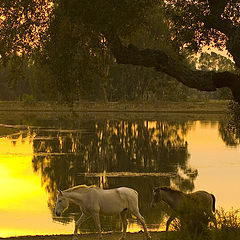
{"x":41,"y":153}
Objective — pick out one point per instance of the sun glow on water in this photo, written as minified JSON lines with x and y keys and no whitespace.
{"x":23,"y":202}
{"x":218,"y":166}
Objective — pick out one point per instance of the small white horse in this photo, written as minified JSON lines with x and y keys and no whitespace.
{"x":180,"y":202}
{"x":94,"y":201}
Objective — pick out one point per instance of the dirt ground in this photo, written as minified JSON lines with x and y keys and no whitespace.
{"x":92,"y":236}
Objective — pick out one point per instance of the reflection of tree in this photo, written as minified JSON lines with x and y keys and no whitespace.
{"x":229,"y":129}
{"x":114,"y":146}
{"x":228,"y":133}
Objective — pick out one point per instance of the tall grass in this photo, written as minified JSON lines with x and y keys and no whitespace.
{"x":228,"y":225}
{"x":199,"y":227}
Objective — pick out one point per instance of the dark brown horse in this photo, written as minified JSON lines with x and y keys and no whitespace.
{"x":180,"y":202}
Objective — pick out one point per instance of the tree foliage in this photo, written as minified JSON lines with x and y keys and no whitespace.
{"x":23,"y":25}
{"x":80,"y":42}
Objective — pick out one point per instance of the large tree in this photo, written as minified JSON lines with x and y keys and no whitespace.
{"x":193,"y":24}
{"x":109,"y":25}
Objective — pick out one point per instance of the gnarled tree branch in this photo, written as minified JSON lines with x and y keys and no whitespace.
{"x":223,"y":25}
{"x":158,"y":59}
{"x":217,"y":7}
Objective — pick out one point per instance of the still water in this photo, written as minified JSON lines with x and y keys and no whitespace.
{"x":39,"y":155}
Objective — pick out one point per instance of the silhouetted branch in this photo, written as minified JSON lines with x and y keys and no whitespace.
{"x":161,"y":61}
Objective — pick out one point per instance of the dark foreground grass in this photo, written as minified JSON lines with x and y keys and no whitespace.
{"x":228,"y":228}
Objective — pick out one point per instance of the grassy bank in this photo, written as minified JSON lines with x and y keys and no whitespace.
{"x":15,"y":116}
{"x":175,"y":107}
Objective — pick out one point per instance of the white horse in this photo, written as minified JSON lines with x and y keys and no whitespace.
{"x":94,"y":201}
{"x":182,"y":203}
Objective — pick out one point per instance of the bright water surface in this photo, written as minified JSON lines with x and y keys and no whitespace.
{"x":40,"y":153}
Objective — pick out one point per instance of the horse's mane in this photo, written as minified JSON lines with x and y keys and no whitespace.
{"x":75,"y":188}
{"x":168,"y":189}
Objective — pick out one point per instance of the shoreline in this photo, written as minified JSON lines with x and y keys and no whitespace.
{"x":93,"y":236}
{"x":213,"y":106}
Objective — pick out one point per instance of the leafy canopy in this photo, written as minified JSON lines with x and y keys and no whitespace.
{"x":68,"y":38}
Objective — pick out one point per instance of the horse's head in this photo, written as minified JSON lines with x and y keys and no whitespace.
{"x":61,"y":204}
{"x":156,"y":196}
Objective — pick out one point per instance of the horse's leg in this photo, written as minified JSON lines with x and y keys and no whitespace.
{"x":98,"y":225}
{"x":82,"y":219}
{"x":124,"y":223}
{"x":169,"y":221}
{"x":142,"y":221}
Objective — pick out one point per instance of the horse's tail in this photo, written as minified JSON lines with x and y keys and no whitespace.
{"x":214,"y":202}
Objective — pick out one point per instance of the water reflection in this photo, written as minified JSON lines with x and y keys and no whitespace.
{"x":138,"y":154}
{"x":112,"y":153}
{"x":229,"y":134}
